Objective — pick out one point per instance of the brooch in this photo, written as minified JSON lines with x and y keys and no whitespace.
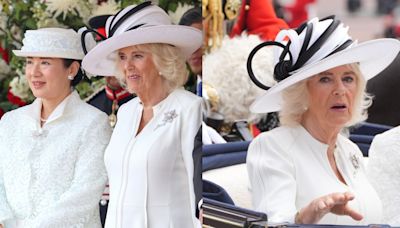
{"x":355,"y":162}
{"x":168,"y":118}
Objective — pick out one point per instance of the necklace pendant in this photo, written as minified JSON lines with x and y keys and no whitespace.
{"x":112,"y":119}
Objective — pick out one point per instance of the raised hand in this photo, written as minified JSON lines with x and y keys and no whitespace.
{"x":336,"y":203}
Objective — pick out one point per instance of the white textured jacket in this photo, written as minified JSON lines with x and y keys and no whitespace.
{"x":288,"y":168}
{"x":151,"y":173}
{"x":384,"y":172}
{"x":52,"y":176}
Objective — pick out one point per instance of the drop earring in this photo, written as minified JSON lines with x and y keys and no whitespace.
{"x":70,"y":77}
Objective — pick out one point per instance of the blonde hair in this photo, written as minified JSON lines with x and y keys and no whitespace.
{"x":169,"y":62}
{"x":295,"y":101}
{"x":294,"y":104}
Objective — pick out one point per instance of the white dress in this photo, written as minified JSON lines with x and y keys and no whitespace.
{"x":52,"y":176}
{"x":288,"y":168}
{"x":384,"y":172}
{"x":151,"y":173}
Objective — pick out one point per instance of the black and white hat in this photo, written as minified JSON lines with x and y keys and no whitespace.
{"x":141,"y":24}
{"x":314,"y":47}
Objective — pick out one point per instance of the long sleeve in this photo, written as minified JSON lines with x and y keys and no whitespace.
{"x":190,"y":127}
{"x":79,"y":204}
{"x":5,"y":211}
{"x":383,"y":171}
{"x":272,"y":179}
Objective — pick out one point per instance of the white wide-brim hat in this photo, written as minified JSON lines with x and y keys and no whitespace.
{"x":136,"y":25}
{"x":373,"y":57}
{"x":51,"y":43}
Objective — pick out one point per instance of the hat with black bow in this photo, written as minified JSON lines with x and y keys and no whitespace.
{"x":314,"y":47}
{"x":134,"y":25}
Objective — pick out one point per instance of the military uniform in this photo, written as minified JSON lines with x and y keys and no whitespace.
{"x":105,"y":98}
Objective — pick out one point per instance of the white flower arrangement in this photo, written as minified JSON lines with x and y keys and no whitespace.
{"x":63,"y":7}
{"x":180,"y":10}
{"x":19,"y":86}
{"x":44,"y":18}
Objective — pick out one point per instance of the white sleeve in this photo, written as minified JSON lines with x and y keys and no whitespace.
{"x":76,"y":206}
{"x":383,"y":171}
{"x":190,"y":126}
{"x":5,"y":211}
{"x":210,"y":135}
{"x":272,"y":179}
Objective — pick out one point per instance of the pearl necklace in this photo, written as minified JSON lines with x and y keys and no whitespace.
{"x":43,"y":120}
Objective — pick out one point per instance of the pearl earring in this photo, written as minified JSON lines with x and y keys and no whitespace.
{"x":159,"y":73}
{"x":70,"y":77}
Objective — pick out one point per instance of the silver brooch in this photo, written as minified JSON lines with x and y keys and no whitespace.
{"x":168,"y":118}
{"x":355,"y":162}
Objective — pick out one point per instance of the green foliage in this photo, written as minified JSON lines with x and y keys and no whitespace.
{"x":125,"y":3}
{"x":172,"y":5}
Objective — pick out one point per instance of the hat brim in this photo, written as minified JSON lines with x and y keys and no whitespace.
{"x":100,"y":61}
{"x":61,"y":55}
{"x":373,"y":56}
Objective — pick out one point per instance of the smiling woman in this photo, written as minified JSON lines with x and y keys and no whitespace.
{"x":48,"y":78}
{"x":149,"y":158}
{"x":138,"y":70}
{"x":151,"y":57}
{"x":52,"y":172}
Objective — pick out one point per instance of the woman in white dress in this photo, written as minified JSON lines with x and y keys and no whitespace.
{"x":383,"y":171}
{"x":52,"y":172}
{"x":306,"y":171}
{"x":149,"y":158}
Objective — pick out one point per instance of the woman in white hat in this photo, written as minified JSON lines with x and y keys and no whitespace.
{"x":149,"y":158}
{"x":51,"y":168}
{"x":306,"y":171}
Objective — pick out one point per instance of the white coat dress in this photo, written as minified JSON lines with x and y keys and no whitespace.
{"x":288,"y":168}
{"x":384,"y":172}
{"x":151,"y":173}
{"x":53,"y":176}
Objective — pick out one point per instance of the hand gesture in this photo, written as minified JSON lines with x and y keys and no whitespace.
{"x":336,"y":203}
